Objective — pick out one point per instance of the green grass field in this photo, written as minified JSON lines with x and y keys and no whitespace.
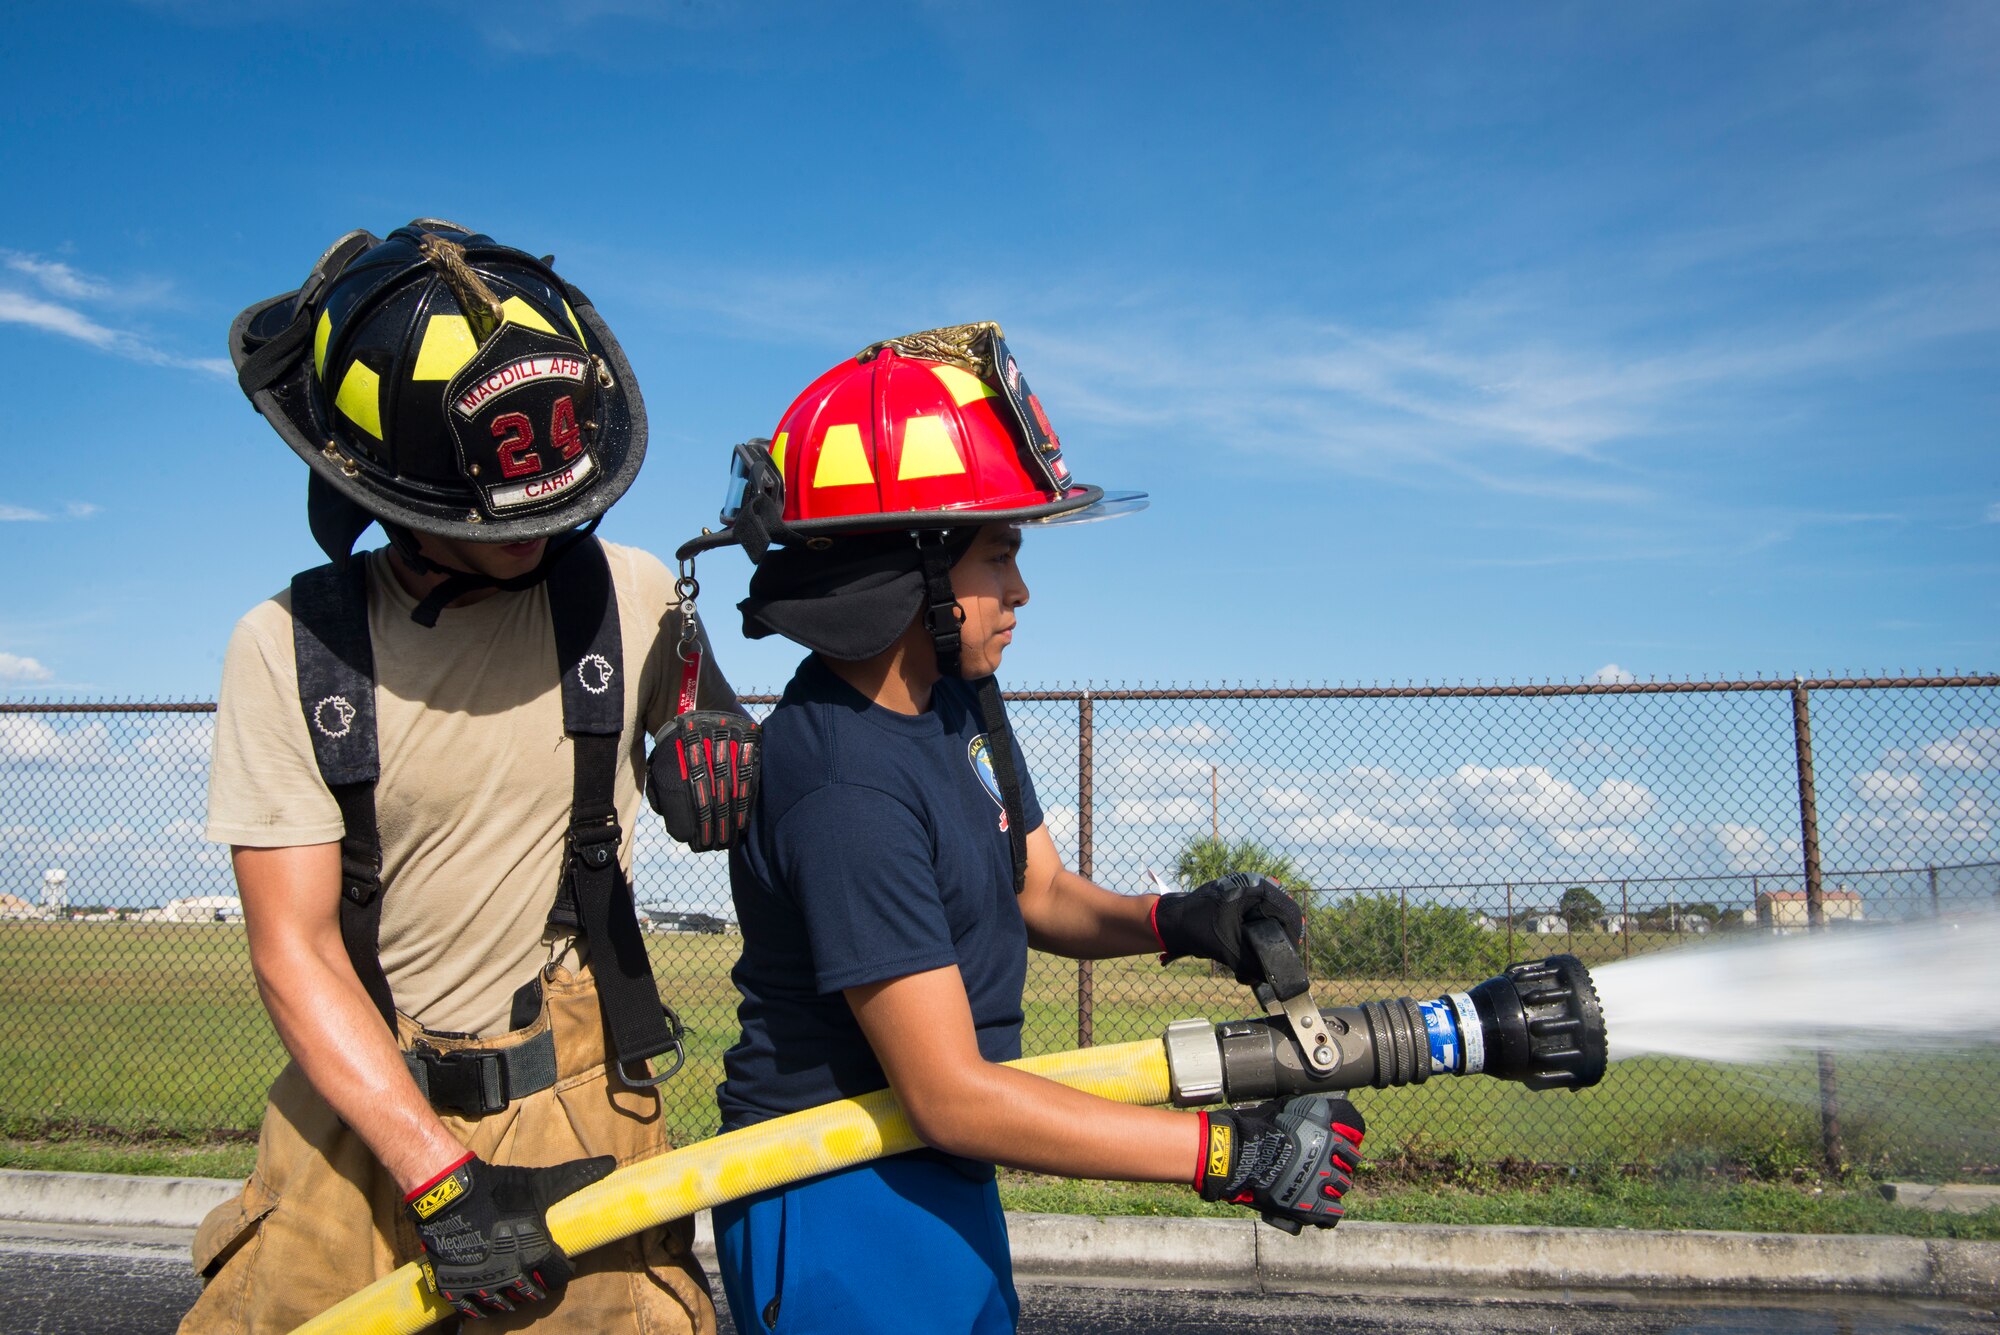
{"x":154,"y":1031}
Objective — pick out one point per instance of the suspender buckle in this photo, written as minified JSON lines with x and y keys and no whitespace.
{"x":595,"y":843}
{"x":675,"y":1032}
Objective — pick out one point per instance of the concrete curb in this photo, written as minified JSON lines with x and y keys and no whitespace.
{"x":1952,"y":1198}
{"x":1243,"y":1254}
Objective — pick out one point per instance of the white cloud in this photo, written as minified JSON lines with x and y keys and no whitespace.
{"x":67,"y":322}
{"x":1611,"y":675}
{"x":1162,"y":811}
{"x":1968,"y":748}
{"x":1599,"y":841}
{"x":1347,"y":828}
{"x":14,"y":667}
{"x":1917,"y":833}
{"x":22,"y":514}
{"x":1736,"y":847}
{"x":30,"y":742}
{"x":1889,"y":788}
{"x":1186,"y":734}
{"x":1993,"y":513}
{"x":58,"y":278}
{"x":1532,"y":794}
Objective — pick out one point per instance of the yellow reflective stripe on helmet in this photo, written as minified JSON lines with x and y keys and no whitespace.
{"x":842,"y":461}
{"x":319,"y":344}
{"x":927,"y":450}
{"x":575,"y":324}
{"x":360,"y":398}
{"x":521,"y":313}
{"x":447,"y":346}
{"x":778,"y":451}
{"x":964,"y":386}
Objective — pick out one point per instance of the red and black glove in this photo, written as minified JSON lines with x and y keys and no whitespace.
{"x":485,"y":1231}
{"x":1209,"y":921}
{"x":702,"y":777}
{"x":1292,"y":1161}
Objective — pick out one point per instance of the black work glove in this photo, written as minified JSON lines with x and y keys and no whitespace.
{"x":485,"y":1231}
{"x":703,"y":777}
{"x":1208,"y":921}
{"x":1291,"y":1161}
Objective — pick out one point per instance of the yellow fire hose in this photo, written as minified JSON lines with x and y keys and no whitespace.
{"x":787,"y":1149}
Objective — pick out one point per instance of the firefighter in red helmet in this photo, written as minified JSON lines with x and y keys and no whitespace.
{"x":896,"y":866}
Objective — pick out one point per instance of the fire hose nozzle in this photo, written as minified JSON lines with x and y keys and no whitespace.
{"x":1539,"y":1024}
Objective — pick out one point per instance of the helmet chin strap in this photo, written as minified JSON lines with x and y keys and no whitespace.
{"x":457,"y":583}
{"x":942,"y":617}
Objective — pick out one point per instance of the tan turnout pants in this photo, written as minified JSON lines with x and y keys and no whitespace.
{"x":319,"y":1219}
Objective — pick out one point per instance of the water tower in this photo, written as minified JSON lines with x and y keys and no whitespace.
{"x":55,"y":893}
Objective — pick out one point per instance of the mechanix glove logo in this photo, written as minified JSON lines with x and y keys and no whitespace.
{"x":1219,"y":1139}
{"x":521,"y":413}
{"x":441,"y":1195}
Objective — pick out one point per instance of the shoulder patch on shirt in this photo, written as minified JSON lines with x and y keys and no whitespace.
{"x":980,"y":754}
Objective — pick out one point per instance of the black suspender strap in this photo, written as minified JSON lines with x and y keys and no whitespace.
{"x":337,"y":694}
{"x":589,"y":654}
{"x":1000,"y":746}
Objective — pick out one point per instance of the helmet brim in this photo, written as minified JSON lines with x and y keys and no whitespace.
{"x":1081,"y":504}
{"x":287,"y":405}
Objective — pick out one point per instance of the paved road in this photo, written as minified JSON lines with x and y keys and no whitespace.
{"x":93,"y":1282}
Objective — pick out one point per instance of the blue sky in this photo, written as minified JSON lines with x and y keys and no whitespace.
{"x":1469,"y":342}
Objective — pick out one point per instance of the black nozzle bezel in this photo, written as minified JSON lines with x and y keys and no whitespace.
{"x":1543,"y":1024}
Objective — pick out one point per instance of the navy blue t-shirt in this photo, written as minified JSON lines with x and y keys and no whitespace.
{"x":877,"y":849}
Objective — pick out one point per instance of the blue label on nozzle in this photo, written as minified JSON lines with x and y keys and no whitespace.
{"x":1442,"y":1027}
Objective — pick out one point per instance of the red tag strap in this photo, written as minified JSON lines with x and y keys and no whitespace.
{"x":690,"y":677}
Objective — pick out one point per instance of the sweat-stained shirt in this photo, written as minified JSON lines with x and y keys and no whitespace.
{"x":876,"y":849}
{"x":474,"y":799}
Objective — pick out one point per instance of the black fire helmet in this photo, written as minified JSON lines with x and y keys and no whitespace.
{"x":442,"y":383}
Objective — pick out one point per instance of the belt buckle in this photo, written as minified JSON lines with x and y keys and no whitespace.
{"x":474,"y":1081}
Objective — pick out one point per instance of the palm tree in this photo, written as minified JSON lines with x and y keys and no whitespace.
{"x":1208,"y":857}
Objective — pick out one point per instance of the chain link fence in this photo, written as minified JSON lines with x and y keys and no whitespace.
{"x":1433,"y":833}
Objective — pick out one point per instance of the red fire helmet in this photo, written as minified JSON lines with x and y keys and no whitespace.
{"x":933,"y":430}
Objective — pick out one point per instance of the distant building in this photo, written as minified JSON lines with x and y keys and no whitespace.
{"x":674,"y":920}
{"x":199,"y":908}
{"x":1546,"y":922}
{"x":1785,"y":910}
{"x":13,"y":906}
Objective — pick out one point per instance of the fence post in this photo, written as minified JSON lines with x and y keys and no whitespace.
{"x":1403,"y":930}
{"x":1936,"y":912}
{"x":1510,"y":924}
{"x":1625,"y":918}
{"x":1085,"y":738}
{"x":1829,"y":1081}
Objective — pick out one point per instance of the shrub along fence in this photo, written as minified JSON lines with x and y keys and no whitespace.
{"x":1434,"y":833}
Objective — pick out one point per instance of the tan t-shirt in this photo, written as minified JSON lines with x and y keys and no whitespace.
{"x":474,"y":799}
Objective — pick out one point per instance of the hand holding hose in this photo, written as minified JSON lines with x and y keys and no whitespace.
{"x":1211,"y":922}
{"x":1292,"y":1162}
{"x":485,"y":1231}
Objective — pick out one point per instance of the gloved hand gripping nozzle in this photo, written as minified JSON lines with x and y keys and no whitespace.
{"x":1538,"y":1024}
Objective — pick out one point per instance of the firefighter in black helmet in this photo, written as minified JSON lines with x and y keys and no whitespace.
{"x":426,"y":760}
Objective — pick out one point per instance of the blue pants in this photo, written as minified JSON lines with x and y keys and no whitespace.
{"x":908,"y":1244}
